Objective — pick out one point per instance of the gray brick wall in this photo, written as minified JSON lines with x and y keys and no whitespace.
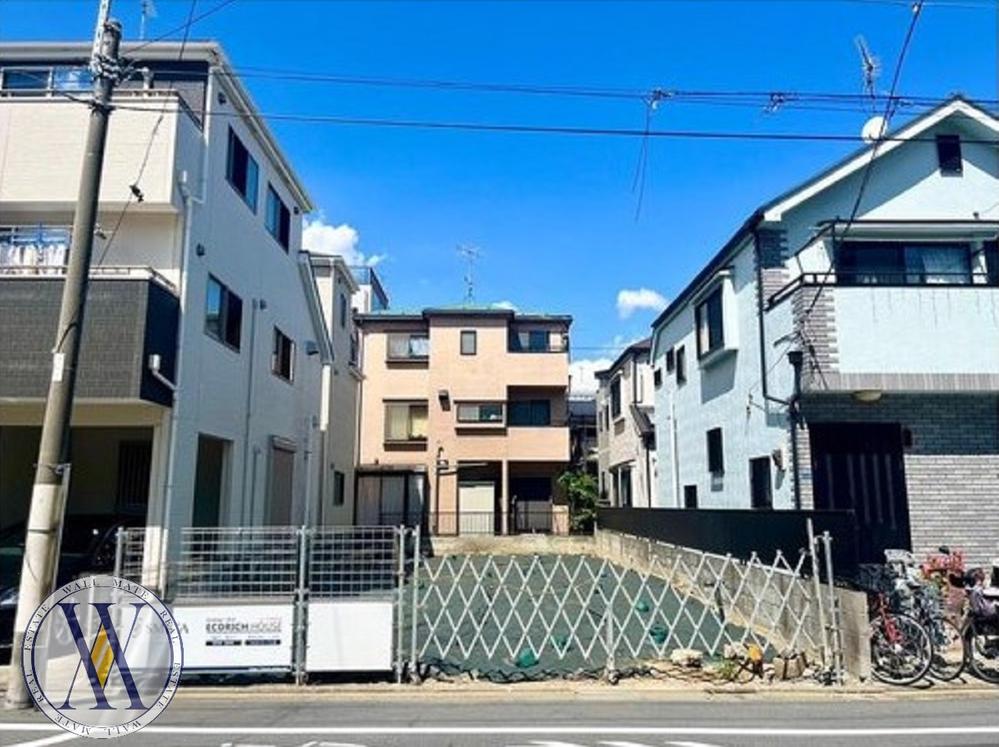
{"x":771,"y":253}
{"x":815,"y":325}
{"x":951,"y":468}
{"x":114,"y":345}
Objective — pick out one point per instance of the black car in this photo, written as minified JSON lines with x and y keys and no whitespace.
{"x":88,"y":546}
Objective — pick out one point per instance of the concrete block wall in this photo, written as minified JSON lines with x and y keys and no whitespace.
{"x":951,"y":468}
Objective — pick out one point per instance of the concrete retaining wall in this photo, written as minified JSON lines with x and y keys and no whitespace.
{"x":751,"y":595}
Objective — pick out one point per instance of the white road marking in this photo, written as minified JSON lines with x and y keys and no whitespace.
{"x":626,"y":744}
{"x":57,"y":739}
{"x":534,"y":731}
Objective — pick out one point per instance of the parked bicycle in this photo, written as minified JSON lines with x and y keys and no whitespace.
{"x":901,"y":647}
{"x":981,"y":628}
{"x":921,"y":596}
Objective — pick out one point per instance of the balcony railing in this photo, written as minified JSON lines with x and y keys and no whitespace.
{"x":43,"y":251}
{"x":869,"y":278}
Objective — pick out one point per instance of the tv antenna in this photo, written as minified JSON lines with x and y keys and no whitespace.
{"x":471,"y":255}
{"x":870,"y":66}
{"x":148,"y":13}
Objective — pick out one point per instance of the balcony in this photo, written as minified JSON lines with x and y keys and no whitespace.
{"x":132,"y":314}
{"x":899,"y":336}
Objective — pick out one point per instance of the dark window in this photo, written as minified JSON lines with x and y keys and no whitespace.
{"x":690,"y":496}
{"x":716,"y":456}
{"x":338,"y":488}
{"x":681,"y":365}
{"x":26,"y":79}
{"x":624,"y":493}
{"x":343,"y":310}
{"x":710,"y":329}
{"x":242,"y":171}
{"x":223,"y":314}
{"x":949,"y":155}
{"x":531,"y":341}
{"x":283,"y":356}
{"x":761,"y":489}
{"x":468,"y":342}
{"x":657,"y":378}
{"x":615,"y":394}
{"x":886,"y":263}
{"x":278,"y":218}
{"x":670,"y":360}
{"x":480,"y":412}
{"x":534,"y":412}
{"x":992,"y":262}
{"x":355,"y":349}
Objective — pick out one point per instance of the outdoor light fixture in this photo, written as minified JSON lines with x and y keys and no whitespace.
{"x":868,"y":396}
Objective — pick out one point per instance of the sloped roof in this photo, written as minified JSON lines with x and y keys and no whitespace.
{"x":842,"y":169}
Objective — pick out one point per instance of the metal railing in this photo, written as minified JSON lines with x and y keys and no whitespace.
{"x":888,"y":278}
{"x":620,"y":609}
{"x":353,"y":561}
{"x":223,"y":563}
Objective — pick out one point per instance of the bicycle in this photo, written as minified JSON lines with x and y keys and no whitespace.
{"x":901,"y":647}
{"x":917,"y":593}
{"x":980,"y":631}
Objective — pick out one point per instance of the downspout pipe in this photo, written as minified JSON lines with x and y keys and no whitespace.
{"x":796,"y":359}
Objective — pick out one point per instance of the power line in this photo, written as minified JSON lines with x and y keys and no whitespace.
{"x":689,"y":134}
{"x":752,"y":98}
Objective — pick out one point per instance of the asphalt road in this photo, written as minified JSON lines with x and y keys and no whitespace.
{"x":315,"y":721}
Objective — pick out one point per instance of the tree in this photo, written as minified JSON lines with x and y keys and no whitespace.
{"x":582,"y":491}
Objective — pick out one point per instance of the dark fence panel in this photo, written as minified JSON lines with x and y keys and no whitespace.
{"x":740,"y":532}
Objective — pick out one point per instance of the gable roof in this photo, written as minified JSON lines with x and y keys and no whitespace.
{"x":632,"y":351}
{"x":842,"y":169}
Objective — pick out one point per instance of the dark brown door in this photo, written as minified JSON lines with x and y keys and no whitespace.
{"x":860,"y":467}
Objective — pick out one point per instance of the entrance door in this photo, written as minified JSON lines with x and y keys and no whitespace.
{"x":135,"y":459}
{"x":282,"y":481}
{"x":860,"y":466}
{"x":476,"y":507}
{"x":208,"y":480}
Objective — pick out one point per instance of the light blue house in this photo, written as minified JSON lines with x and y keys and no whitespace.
{"x":878,"y":337}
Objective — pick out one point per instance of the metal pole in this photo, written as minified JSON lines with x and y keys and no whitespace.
{"x":400,"y":593}
{"x":41,"y":548}
{"x":833,"y":610}
{"x":119,"y":551}
{"x":304,"y":534}
{"x":414,"y":666}
{"x":826,"y":655}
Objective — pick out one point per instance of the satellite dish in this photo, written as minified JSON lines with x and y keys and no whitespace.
{"x":874,"y":129}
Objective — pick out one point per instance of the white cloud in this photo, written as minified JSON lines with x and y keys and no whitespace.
{"x":505,"y":305}
{"x":583,"y":374}
{"x":631,"y":300}
{"x":320,"y":237}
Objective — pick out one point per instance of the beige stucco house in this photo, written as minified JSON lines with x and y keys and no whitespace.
{"x":463,"y":420}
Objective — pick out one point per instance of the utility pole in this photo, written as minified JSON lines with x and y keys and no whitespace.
{"x":41,"y":546}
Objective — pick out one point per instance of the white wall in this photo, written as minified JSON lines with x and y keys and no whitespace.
{"x":725,"y":393}
{"x":878,"y":330}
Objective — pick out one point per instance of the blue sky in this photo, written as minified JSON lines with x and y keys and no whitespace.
{"x":555,"y":216}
